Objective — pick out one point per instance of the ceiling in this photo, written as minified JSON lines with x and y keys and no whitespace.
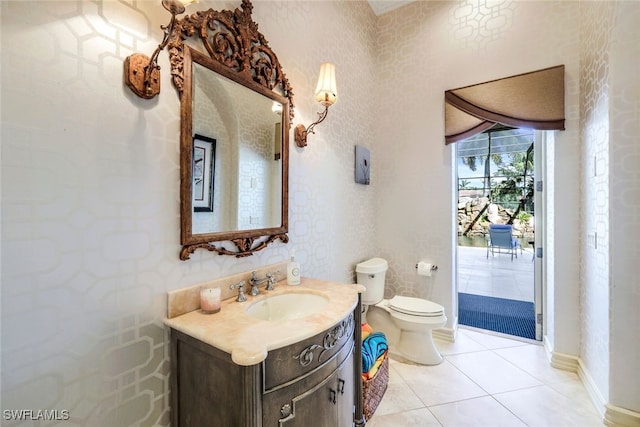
{"x":382,"y":6}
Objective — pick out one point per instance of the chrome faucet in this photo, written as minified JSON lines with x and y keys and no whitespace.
{"x":240,"y":287}
{"x":270,"y":279}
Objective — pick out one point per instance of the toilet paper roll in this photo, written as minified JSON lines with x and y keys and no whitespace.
{"x":424,"y":269}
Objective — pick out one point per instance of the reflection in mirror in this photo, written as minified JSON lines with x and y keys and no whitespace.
{"x":237,"y":98}
{"x":247,"y":169}
{"x":204,"y":162}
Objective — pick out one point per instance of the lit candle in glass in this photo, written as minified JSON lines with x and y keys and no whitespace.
{"x":210,"y":300}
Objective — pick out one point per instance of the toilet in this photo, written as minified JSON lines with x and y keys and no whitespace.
{"x":407,"y":322}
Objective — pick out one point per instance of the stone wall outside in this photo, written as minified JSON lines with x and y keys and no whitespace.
{"x":490,"y":213}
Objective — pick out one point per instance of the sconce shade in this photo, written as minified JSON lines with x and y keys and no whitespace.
{"x":327,"y":95}
{"x":326,"y":92}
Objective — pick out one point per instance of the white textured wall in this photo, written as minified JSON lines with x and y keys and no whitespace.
{"x":90,"y":187}
{"x":425,"y":49}
{"x":597,"y":24}
{"x":610,"y":123}
{"x":624,"y":203}
{"x":90,"y":214}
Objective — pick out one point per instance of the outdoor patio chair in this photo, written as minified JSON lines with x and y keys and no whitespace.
{"x":501,"y":237}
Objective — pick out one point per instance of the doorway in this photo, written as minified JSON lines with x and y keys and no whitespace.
{"x":499,"y":290}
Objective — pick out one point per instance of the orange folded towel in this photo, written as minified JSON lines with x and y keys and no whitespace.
{"x":374,"y":369}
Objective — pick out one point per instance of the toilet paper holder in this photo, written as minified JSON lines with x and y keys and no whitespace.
{"x":433,"y":267}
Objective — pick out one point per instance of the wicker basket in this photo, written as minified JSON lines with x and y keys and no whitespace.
{"x":373,"y":389}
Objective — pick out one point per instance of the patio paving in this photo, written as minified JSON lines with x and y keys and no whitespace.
{"x":496,"y":276}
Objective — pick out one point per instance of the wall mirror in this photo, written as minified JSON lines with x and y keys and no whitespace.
{"x":235,"y":109}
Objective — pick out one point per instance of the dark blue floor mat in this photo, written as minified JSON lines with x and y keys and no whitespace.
{"x":497,"y":314}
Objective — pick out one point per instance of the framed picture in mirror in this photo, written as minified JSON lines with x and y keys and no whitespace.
{"x":204,"y":161}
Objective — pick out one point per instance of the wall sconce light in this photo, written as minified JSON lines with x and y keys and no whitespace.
{"x":141,"y":73}
{"x":326,"y":94}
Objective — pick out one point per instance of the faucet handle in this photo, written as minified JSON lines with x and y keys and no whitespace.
{"x":272,"y":279}
{"x":240,"y":287}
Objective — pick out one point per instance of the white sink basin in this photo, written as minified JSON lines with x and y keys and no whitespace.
{"x":287,"y":306}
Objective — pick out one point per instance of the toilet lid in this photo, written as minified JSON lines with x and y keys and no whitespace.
{"x":415,"y":306}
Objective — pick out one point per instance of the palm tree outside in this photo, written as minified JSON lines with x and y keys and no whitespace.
{"x":495,"y":181}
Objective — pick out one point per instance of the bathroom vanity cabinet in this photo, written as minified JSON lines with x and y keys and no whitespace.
{"x":313,"y":382}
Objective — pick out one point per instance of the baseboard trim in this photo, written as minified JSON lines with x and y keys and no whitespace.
{"x":616,"y":416}
{"x":446,"y":334}
{"x":592,"y":389}
{"x":611,"y":415}
{"x":566,"y":362}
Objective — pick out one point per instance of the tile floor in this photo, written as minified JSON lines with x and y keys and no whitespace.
{"x":484,"y":380}
{"x":497,"y":275}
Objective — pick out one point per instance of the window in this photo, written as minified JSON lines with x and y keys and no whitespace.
{"x":498,"y":164}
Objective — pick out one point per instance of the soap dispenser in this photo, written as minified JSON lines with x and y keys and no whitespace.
{"x":293,"y":271}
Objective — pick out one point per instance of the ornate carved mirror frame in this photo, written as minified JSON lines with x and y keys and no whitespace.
{"x":238,"y":51}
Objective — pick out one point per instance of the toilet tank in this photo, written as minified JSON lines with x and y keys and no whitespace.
{"x":371,"y":274}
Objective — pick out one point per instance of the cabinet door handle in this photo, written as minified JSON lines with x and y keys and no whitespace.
{"x":285,"y":411}
{"x":341,"y":386}
{"x":332,"y":396}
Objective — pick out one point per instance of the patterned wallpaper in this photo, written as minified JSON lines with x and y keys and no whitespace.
{"x":90,"y":177}
{"x":90,"y":191}
{"x":609,"y":127}
{"x":597,"y":19}
{"x":624,"y":202}
{"x":476,"y":24}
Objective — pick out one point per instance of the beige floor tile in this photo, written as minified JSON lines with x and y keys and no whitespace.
{"x":438,"y":384}
{"x":399,"y":397}
{"x":415,"y":418}
{"x":544,"y":407}
{"x":491,"y":372}
{"x":467,"y":389}
{"x":482,"y":411}
{"x":490,"y":341}
{"x":533,"y":359}
{"x":463,"y":344}
{"x":574,"y":390}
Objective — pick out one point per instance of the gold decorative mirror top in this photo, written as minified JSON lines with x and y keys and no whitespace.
{"x":236,"y":108}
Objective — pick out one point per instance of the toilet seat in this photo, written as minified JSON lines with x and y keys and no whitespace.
{"x":415,"y":306}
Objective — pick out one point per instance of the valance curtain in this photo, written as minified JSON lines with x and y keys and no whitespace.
{"x":533,"y":100}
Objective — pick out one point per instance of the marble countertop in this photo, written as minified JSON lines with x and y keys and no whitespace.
{"x":248,"y":339}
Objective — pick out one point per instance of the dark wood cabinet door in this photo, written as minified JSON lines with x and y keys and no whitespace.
{"x":316,"y":407}
{"x":330,"y":403}
{"x":346,"y":392}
